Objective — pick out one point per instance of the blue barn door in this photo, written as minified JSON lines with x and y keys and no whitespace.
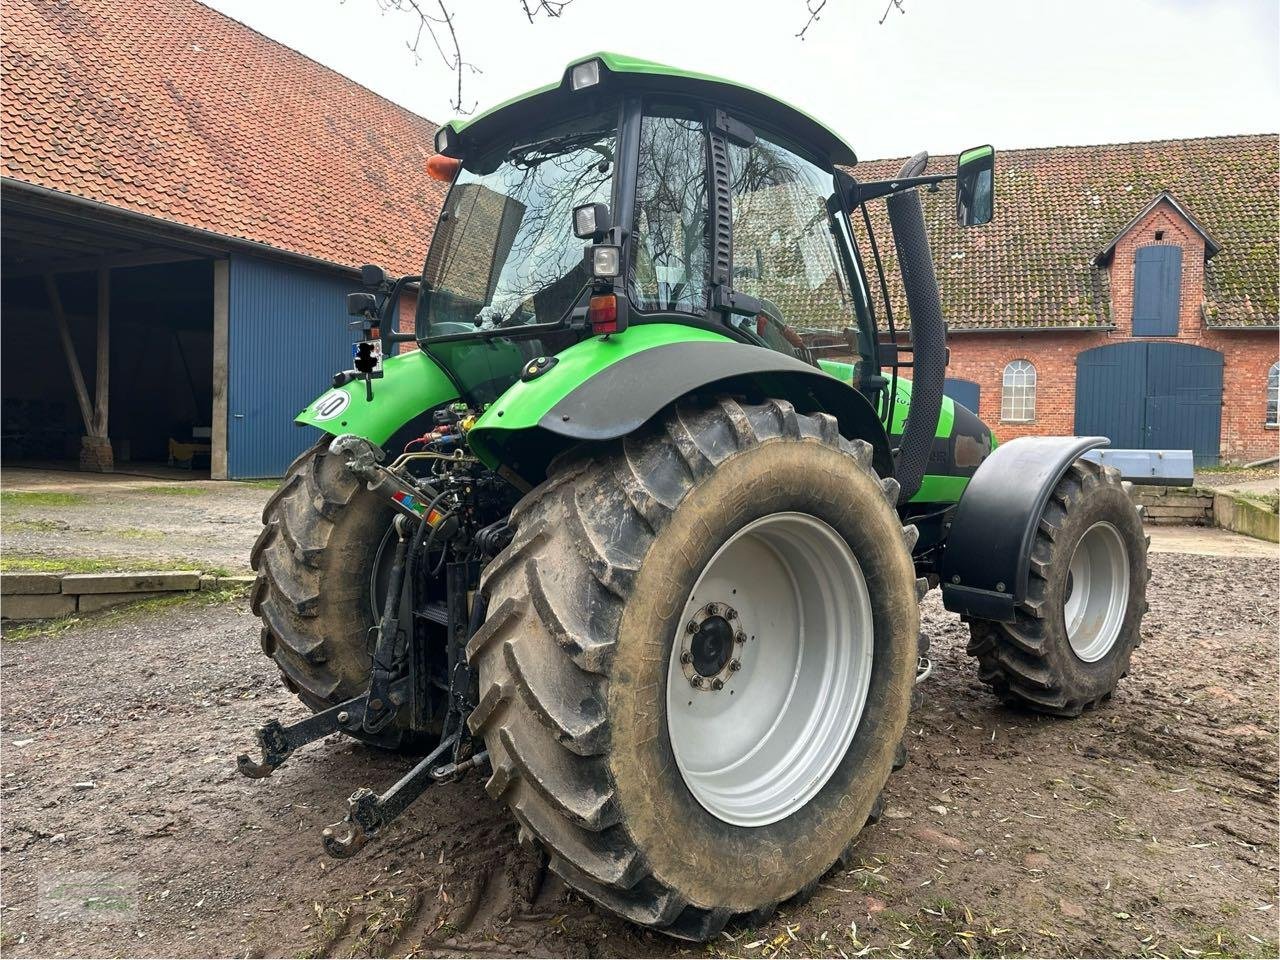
{"x":1152,"y":396}
{"x":964,"y":392}
{"x":287,"y":335}
{"x":1185,"y":385}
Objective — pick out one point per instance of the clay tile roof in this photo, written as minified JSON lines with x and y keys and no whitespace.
{"x":168,"y":108}
{"x":1059,"y":208}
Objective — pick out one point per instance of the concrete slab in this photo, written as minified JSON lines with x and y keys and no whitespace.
{"x":90,"y":602}
{"x":141,"y":582}
{"x":232,"y":583}
{"x":1269,"y":485}
{"x":36,"y":606}
{"x":1209,"y":542}
{"x":1242,"y":515}
{"x":29,"y":583}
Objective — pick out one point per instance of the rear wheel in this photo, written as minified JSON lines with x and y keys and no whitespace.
{"x":1072,"y":638}
{"x":321,"y":575}
{"x":698,"y":663}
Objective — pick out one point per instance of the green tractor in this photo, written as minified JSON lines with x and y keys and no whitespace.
{"x":611,"y":534}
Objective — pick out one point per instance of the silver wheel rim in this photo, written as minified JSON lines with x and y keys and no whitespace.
{"x":756,"y":739}
{"x":1097,"y":592}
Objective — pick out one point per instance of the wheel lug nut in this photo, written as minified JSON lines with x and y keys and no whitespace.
{"x":692,"y":626}
{"x":731,"y":613}
{"x":717,"y":685}
{"x":713,"y":609}
{"x":686,"y":657}
{"x":735,"y":665}
{"x":741,"y":637}
{"x":695,"y":682}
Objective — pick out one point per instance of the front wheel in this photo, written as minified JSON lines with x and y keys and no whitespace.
{"x":698,"y":662}
{"x":1072,"y":638}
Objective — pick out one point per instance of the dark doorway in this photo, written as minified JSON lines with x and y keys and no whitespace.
{"x":161,"y":350}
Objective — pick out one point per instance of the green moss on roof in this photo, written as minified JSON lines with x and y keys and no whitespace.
{"x":1058,"y":207}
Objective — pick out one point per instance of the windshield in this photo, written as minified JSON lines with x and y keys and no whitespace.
{"x":504,"y":253}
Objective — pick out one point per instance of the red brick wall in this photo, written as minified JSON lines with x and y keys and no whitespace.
{"x":1247,"y":355}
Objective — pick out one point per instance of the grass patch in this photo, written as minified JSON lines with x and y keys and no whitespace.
{"x":41,"y":498}
{"x":174,"y":490}
{"x":131,"y":533}
{"x":38,"y":563}
{"x":261,"y":484}
{"x":42,"y":629}
{"x":34,"y":524}
{"x":1269,"y":501}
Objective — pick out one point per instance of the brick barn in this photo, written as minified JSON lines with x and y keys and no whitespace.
{"x":1126,"y":290}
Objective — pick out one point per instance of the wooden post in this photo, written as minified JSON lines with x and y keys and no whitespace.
{"x":218,"y":466}
{"x":69,"y":350}
{"x":102,"y":375}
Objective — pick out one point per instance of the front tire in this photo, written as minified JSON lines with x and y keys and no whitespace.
{"x":1073,"y":636}
{"x":580,"y":662}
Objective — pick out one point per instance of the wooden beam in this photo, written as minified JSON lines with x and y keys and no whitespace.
{"x":69,"y":350}
{"x":102,"y":375}
{"x":218,"y":466}
{"x":139,"y":258}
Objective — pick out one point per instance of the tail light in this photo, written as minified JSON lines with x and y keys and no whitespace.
{"x":602,"y":313}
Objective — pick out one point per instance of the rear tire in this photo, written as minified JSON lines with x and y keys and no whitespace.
{"x":1086,"y":594}
{"x":319,"y":542}
{"x":575,"y":659}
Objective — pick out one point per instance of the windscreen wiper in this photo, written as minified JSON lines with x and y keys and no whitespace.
{"x":532,"y":154}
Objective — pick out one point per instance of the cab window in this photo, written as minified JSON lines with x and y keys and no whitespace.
{"x":669,"y":253}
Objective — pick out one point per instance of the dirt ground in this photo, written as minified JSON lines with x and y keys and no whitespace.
{"x":202,"y":523}
{"x":1146,"y":828}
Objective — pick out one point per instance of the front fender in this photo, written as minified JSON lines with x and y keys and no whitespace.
{"x":604,"y":388}
{"x":985,"y":565}
{"x":411,"y":384}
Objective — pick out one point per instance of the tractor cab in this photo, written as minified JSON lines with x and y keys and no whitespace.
{"x":628,"y":194}
{"x":631,"y":194}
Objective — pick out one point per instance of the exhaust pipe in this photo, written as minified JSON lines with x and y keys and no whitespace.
{"x":928,"y":332}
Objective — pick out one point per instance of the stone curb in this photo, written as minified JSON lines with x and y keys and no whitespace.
{"x":40,"y":596}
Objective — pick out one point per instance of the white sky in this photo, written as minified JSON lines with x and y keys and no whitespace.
{"x":945,"y":75}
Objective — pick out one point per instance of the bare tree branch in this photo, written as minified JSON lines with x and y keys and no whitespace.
{"x":552,"y":8}
{"x":815,"y":8}
{"x":892,"y":4}
{"x":435,"y":22}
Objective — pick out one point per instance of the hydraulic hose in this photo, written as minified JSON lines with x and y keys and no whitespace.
{"x":928,"y":332}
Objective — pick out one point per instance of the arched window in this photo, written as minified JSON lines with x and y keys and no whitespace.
{"x":1273,"y":395}
{"x":1018,"y":396}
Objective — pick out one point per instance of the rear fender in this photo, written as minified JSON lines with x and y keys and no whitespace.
{"x":604,"y":388}
{"x":987,"y":557}
{"x":411,"y":385}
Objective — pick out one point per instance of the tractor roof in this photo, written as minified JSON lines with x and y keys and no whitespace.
{"x":619,"y":72}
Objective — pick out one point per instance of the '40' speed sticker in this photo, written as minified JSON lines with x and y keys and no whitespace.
{"x":330,"y":405}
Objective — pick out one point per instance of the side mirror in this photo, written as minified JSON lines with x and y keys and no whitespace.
{"x":361,"y":304}
{"x":371,"y":277}
{"x":975,"y":186}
